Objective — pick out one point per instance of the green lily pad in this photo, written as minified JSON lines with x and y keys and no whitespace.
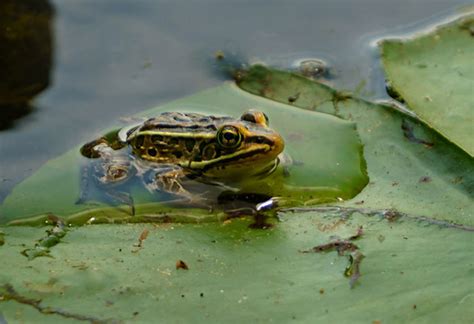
{"x":410,"y":273}
{"x":434,"y":75}
{"x":326,"y":151}
{"x":412,"y":224}
{"x":412,"y":169}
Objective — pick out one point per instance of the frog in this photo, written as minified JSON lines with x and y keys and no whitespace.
{"x":168,"y":150}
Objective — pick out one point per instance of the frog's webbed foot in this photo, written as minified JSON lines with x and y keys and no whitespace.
{"x":169,"y":180}
{"x":166,"y":179}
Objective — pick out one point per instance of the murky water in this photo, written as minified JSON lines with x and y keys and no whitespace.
{"x":118,"y":58}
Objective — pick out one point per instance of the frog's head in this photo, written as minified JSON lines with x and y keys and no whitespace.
{"x":241,"y":147}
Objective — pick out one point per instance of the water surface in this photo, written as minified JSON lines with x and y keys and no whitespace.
{"x":117,"y":58}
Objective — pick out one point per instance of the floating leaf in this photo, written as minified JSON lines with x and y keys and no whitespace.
{"x":416,"y":274}
{"x":412,"y":169}
{"x":434,"y":75}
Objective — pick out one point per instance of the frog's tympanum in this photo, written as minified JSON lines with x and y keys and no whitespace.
{"x":167,"y":151}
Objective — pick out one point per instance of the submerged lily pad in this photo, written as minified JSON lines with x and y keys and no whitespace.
{"x":412,"y":169}
{"x":434,"y":75}
{"x":326,"y":153}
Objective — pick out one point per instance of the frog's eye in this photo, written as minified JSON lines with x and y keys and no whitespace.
{"x":229,"y":137}
{"x":256,"y":117}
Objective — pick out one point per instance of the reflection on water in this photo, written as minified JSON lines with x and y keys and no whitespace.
{"x":26,"y":46}
{"x":11,"y":112}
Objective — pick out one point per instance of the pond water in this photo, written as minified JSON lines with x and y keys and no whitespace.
{"x":117,"y":58}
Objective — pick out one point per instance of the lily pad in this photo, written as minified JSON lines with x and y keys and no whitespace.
{"x":412,"y":169}
{"x":410,"y":273}
{"x":412,"y":223}
{"x":434,"y":75}
{"x":326,"y":153}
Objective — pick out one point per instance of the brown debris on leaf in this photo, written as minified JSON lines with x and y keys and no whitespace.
{"x":141,"y":239}
{"x":293,"y":98}
{"x":180,"y":264}
{"x":358,"y":234}
{"x":424,"y":179}
{"x":353,"y":269}
{"x":391,"y":215}
{"x":344,"y":247}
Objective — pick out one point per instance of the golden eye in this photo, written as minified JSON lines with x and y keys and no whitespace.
{"x":229,"y":137}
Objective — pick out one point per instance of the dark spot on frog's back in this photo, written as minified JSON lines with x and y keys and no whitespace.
{"x":172,"y":141}
{"x":156,"y":138}
{"x":189,"y":143}
{"x":139,"y":141}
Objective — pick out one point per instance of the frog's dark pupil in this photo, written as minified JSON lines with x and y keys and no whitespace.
{"x":229,"y":136}
{"x":152,"y":151}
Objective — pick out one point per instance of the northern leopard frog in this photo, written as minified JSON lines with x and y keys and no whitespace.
{"x":167,"y":150}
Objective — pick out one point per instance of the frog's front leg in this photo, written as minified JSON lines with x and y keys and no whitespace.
{"x":167,"y":179}
{"x":170,"y":179}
